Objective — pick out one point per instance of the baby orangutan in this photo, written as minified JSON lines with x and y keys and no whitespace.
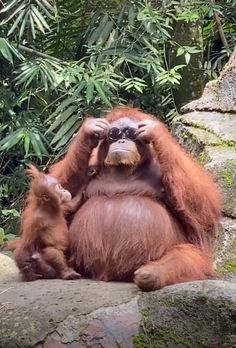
{"x":41,"y":250}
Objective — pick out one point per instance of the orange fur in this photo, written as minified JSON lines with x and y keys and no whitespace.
{"x":44,"y":231}
{"x":156,"y":222}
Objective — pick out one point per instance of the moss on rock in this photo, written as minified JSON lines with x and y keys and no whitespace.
{"x":188,"y":315}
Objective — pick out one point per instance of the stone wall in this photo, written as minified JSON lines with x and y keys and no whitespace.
{"x":207,"y":128}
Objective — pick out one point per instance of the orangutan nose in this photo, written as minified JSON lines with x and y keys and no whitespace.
{"x":121,"y":141}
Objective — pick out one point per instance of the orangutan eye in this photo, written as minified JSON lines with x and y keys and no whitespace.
{"x":130,"y":133}
{"x":114,"y":133}
{"x":117,"y":133}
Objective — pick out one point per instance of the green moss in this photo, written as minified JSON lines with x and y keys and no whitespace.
{"x":228,"y":178}
{"x":228,"y":174}
{"x":227,"y":145}
{"x":142,"y":341}
{"x":139,"y":341}
{"x":203,"y":158}
{"x":234,"y":243}
{"x":230,"y":267}
{"x":160,"y":340}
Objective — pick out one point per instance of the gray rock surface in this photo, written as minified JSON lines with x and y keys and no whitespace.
{"x":82,"y":313}
{"x":56,"y":313}
{"x":8,"y":267}
{"x":193,"y":315}
{"x":207,"y":129}
{"x":226,"y":248}
{"x":220,"y":94}
{"x":222,"y":162}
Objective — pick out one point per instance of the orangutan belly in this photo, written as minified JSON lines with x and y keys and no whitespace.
{"x":110,"y":238}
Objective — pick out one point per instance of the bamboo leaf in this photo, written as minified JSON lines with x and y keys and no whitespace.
{"x":62,"y":131}
{"x":30,"y":79}
{"x":48,"y":5}
{"x":101,"y":93}
{"x":17,"y":21}
{"x":13,"y":139}
{"x":32,"y":26}
{"x":22,"y":78}
{"x":35,"y":145}
{"x":65,"y":139}
{"x":80,"y":88}
{"x":62,"y":106}
{"x":187,"y":57}
{"x":62,"y":118}
{"x":38,"y":23}
{"x":22,"y":28}
{"x":26,"y":143}
{"x":41,"y":144}
{"x":40,"y":17}
{"x":48,"y":14}
{"x":90,"y":90}
{"x":14,"y":50}
{"x":105,"y":33}
{"x":18,"y":9}
{"x":96,"y":33}
{"x":5,"y":51}
{"x":9,"y":6}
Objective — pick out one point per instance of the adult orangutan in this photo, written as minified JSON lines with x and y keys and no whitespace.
{"x":150,"y":213}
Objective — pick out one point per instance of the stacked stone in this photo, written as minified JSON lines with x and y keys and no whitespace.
{"x":207,"y":128}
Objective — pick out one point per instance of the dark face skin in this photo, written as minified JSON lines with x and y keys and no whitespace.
{"x":123,"y":147}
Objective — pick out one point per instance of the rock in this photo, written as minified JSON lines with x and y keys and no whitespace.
{"x":217,"y":156}
{"x":222,"y":162}
{"x":81,"y":314}
{"x":226,"y":248}
{"x":192,"y":138}
{"x":8,"y":268}
{"x":220,"y":94}
{"x":222,"y":125}
{"x":57,"y":313}
{"x":207,"y":129}
{"x":220,"y":159}
{"x":200,"y":314}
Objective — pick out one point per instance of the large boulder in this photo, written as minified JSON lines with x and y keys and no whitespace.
{"x":81,"y":314}
{"x":207,"y":128}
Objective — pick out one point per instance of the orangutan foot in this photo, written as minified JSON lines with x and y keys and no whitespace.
{"x":146,"y":279}
{"x":70,"y":275}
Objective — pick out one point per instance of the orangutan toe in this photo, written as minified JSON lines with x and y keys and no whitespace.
{"x":71,"y":275}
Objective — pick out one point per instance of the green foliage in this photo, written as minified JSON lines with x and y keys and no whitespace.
{"x":63,"y":60}
{"x":27,"y":15}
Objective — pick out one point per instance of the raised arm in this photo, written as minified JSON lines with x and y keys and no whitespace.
{"x":190,"y":190}
{"x":72,"y":170}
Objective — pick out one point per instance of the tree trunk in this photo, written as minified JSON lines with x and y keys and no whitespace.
{"x":191,"y":84}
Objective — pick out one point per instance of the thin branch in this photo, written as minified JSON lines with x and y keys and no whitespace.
{"x":220,"y":28}
{"x":39,"y":54}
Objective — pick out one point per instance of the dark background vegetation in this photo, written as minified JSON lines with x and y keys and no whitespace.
{"x":62,"y":60}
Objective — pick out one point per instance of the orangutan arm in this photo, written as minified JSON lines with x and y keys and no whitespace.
{"x":72,"y":170}
{"x":190,"y":190}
